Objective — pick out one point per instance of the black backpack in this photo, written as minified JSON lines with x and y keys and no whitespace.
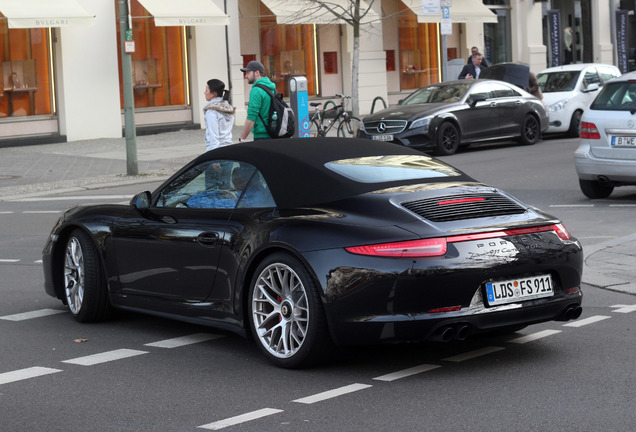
{"x":282,"y":121}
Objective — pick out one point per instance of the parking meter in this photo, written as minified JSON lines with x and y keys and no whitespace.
{"x":299,"y":102}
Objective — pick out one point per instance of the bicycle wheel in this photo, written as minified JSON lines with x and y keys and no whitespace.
{"x":348,"y":127}
{"x":315,"y":129}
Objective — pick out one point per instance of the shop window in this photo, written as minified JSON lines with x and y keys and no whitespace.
{"x":390,"y":60}
{"x":419,"y":54}
{"x":287,"y":50}
{"x":158,"y":61}
{"x":26,"y":80}
{"x":330,"y":62}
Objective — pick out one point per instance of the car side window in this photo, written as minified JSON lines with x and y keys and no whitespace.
{"x":500,"y":90}
{"x":207,"y":185}
{"x":256,"y":193}
{"x":607,"y":73}
{"x":483,"y":89}
{"x":591,"y":77}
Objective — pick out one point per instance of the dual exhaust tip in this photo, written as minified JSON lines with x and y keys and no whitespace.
{"x":461,"y":331}
{"x":448,"y":333}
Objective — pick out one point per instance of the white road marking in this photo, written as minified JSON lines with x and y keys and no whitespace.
{"x":9,"y":260}
{"x":184,"y":340}
{"x":27,"y":373}
{"x":41,"y":211}
{"x":240,"y":419}
{"x":622,"y":205}
{"x":77,"y":198}
{"x":571,"y":205}
{"x":37,"y":261}
{"x":624,"y":308}
{"x":105,"y":357}
{"x":406,"y":372}
{"x":33,"y":314}
{"x":332,"y":393}
{"x":586,"y":321}
{"x":535,"y":336}
{"x":6,"y":212}
{"x":474,"y":354}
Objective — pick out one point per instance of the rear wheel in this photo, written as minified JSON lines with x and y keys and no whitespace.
{"x":595,"y":189}
{"x":348,"y":128}
{"x":447,"y":139}
{"x":85,"y":290}
{"x":286,"y":315}
{"x":575,"y":125}
{"x":530,"y":130}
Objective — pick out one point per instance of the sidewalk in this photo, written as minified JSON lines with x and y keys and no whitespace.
{"x":39,"y":170}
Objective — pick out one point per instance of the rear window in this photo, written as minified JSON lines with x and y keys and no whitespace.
{"x":558,"y":81}
{"x":616,"y":96}
{"x":380,"y":169}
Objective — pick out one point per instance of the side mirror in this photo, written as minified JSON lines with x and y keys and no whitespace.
{"x":473,"y":99}
{"x":141,"y":201}
{"x":591,"y":88}
{"x":400,"y":101}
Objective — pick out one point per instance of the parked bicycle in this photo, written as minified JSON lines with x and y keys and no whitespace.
{"x":321,"y":122}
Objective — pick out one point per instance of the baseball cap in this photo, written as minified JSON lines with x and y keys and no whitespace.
{"x":254,"y":66}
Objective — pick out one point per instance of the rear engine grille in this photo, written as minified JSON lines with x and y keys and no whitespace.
{"x":465,"y":206}
{"x":385,"y":126}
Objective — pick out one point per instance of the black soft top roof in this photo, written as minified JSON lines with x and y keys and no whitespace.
{"x":295,"y":169}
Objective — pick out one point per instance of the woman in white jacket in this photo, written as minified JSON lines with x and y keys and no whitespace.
{"x":218,"y":114}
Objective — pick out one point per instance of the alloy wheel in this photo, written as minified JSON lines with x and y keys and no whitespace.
{"x":280,"y":310}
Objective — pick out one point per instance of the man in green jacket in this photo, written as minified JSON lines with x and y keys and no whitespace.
{"x":259,"y":101}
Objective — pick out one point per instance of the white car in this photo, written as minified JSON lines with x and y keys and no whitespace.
{"x":568,"y":90}
{"x":606,"y":157}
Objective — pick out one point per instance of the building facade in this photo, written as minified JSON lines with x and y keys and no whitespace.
{"x":62,"y":79}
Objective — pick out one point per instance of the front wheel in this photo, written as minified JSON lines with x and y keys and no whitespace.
{"x":315,"y":129}
{"x":85,"y":290}
{"x":285,"y":312}
{"x":575,"y":125}
{"x":595,"y":189}
{"x":348,"y":127}
{"x":447,"y":139}
{"x":530,"y":130}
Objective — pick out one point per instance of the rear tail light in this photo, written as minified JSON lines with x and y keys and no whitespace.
{"x":589,"y":131}
{"x":407,"y":249}
{"x":438,"y":246}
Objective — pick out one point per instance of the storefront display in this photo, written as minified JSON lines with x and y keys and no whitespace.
{"x":158,"y":62}
{"x":25,"y":61}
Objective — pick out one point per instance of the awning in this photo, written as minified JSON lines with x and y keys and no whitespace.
{"x":308,"y":12}
{"x":44,"y":13}
{"x":185,"y":12}
{"x":461,"y":11}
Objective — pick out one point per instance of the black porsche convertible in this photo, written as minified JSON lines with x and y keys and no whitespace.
{"x":303,"y":244}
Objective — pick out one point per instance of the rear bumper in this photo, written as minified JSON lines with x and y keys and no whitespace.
{"x":590,"y":167}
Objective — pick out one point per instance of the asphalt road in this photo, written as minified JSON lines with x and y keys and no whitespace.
{"x":140,"y":373}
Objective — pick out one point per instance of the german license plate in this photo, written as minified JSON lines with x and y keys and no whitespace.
{"x":385,"y":137}
{"x":516,"y":290}
{"x":623,"y":141}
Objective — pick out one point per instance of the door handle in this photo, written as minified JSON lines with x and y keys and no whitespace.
{"x":493,"y":104}
{"x":208,"y":238}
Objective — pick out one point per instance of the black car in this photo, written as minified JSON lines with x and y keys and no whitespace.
{"x":446,"y":116}
{"x":306,"y":243}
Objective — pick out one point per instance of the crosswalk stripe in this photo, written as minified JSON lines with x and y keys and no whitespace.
{"x":27,"y":373}
{"x":535,"y":336}
{"x":184,"y":340}
{"x":33,"y":314}
{"x":586,"y":321}
{"x":105,"y":357}
{"x":406,"y":372}
{"x":319,"y":397}
{"x":232,"y":421}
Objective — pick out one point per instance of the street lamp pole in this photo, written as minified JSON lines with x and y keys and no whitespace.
{"x":125,"y":33}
